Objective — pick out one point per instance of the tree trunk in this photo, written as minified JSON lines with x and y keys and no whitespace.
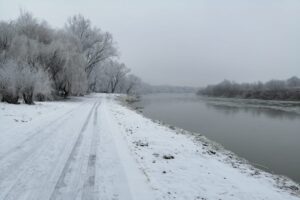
{"x":114,"y":86}
{"x":10,"y":98}
{"x":40,"y":97}
{"x":28,"y":98}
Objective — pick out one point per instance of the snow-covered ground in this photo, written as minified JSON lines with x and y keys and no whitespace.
{"x":95,"y":148}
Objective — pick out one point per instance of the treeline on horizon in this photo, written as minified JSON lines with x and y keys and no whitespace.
{"x":272,"y":90}
{"x":38,"y":62}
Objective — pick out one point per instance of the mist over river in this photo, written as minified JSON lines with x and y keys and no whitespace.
{"x":267,"y":133}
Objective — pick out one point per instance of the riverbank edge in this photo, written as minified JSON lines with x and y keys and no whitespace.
{"x":216,"y":149}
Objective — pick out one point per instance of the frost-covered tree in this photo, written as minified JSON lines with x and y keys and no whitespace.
{"x":293,"y":82}
{"x":115,"y":72}
{"x":29,"y":26}
{"x":96,"y":45}
{"x":33,"y":82}
{"x":20,"y":79}
{"x":9,"y":81}
{"x":76,"y":76}
{"x":131,"y":84}
{"x":7,"y":34}
{"x":52,"y":59}
{"x":38,"y":62}
{"x":24,"y":49}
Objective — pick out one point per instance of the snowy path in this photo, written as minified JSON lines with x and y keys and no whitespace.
{"x":94,"y":148}
{"x":70,"y":157}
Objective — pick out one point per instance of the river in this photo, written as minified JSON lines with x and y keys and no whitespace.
{"x":266,"y":133}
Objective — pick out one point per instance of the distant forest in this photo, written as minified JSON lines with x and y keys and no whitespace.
{"x":272,"y":90}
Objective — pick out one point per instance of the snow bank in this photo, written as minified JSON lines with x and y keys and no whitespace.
{"x":182,"y":166}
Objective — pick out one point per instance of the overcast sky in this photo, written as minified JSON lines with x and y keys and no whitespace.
{"x":189,"y":42}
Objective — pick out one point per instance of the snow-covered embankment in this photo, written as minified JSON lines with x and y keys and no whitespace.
{"x":183,"y":165}
{"x":96,"y":148}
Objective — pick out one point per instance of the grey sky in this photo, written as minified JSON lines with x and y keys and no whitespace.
{"x":191,"y":42}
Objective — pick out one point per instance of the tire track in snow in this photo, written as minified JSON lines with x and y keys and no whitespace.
{"x":38,"y":132}
{"x":111,"y":179}
{"x":71,"y":159}
{"x":19,"y":183}
{"x":89,"y":185}
{"x":19,"y":154}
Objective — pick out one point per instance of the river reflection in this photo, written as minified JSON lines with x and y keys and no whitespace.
{"x":254,"y":111}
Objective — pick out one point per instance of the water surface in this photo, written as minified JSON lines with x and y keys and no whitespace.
{"x":266,"y":133}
